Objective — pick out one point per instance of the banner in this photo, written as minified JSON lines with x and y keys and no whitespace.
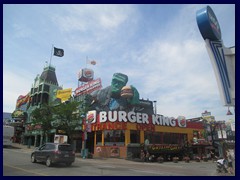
{"x":64,"y":94}
{"x":58,"y":52}
{"x":22,"y":100}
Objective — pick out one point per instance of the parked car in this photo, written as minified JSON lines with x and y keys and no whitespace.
{"x":52,"y":153}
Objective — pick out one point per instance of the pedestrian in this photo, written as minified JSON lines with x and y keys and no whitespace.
{"x":143,"y":155}
{"x":212,"y":155}
{"x":208,"y":155}
{"x":146,"y":143}
{"x":230,"y":159}
{"x":147,"y":157}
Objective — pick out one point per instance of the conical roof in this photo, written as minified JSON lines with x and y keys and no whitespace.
{"x":49,"y":75}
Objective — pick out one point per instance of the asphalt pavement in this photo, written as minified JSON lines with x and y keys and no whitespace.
{"x":123,"y":161}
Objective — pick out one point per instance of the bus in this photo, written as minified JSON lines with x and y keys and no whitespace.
{"x":8,"y":133}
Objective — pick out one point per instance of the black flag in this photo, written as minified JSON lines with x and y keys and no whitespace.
{"x":58,"y":52}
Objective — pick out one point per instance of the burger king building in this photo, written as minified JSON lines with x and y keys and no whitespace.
{"x":122,"y":134}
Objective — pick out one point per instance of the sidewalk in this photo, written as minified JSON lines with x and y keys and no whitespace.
{"x":21,"y":146}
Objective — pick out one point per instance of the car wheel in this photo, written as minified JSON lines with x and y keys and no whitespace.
{"x":33,"y":159}
{"x":68,"y":164}
{"x":48,"y":162}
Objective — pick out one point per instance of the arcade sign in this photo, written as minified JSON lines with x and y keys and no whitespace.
{"x":208,"y":24}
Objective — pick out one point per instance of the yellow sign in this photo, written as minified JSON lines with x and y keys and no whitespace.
{"x":64,"y":94}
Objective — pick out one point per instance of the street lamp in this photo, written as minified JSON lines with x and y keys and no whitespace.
{"x":84,"y":136}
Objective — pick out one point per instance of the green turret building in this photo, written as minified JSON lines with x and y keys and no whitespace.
{"x":43,"y":91}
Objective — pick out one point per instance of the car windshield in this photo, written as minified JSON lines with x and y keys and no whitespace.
{"x":65,"y":148}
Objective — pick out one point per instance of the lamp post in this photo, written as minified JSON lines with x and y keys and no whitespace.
{"x":84,"y":136}
{"x":155,"y":107}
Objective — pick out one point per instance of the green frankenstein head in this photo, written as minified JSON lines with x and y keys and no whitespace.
{"x":118,"y":81}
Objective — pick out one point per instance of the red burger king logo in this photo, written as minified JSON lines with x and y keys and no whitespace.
{"x":182,"y":121}
{"x":91,"y":116}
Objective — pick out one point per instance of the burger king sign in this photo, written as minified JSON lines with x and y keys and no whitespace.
{"x":182,"y":121}
{"x":91,"y":116}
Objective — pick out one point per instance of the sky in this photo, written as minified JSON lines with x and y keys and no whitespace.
{"x":158,"y":46}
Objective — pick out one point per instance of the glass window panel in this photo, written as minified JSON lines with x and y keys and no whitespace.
{"x":99,"y":138}
{"x":114,"y":137}
{"x":134,"y":136}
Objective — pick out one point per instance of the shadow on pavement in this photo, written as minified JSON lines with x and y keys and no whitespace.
{"x":11,"y":147}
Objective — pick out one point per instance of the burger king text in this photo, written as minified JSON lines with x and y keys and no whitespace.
{"x":134,"y":117}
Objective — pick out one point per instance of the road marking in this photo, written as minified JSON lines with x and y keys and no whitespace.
{"x":41,"y":174}
{"x":146,"y":171}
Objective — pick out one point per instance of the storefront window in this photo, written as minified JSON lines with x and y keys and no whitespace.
{"x":134,"y":136}
{"x":99,"y":138}
{"x":165,"y":138}
{"x":148,"y":135}
{"x":174,"y":138}
{"x":157,"y":138}
{"x":114,"y":137}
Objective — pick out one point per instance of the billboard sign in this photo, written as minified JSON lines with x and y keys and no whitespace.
{"x":208,"y":24}
{"x":206,"y":113}
{"x":222,"y":59}
{"x":85,"y":75}
{"x":89,"y":87}
{"x":64,"y":94}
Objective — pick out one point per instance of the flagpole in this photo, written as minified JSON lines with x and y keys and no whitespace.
{"x":86,"y":61}
{"x":51,"y":55}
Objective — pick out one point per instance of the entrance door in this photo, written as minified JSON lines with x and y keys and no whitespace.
{"x":90,"y":142}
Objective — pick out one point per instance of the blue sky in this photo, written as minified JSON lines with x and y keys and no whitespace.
{"x":158,"y":46}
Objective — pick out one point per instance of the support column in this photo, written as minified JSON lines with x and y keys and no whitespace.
{"x":35,"y":141}
{"x":127,"y":137}
{"x":141,"y":136}
{"x":103,"y":138}
{"x":41,"y":139}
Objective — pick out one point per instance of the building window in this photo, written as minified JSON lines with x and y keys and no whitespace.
{"x":174,"y":138}
{"x":46,"y":88}
{"x":157,"y":138}
{"x":40,"y":88}
{"x":148,"y":135}
{"x":134,"y":136}
{"x":114,"y":137}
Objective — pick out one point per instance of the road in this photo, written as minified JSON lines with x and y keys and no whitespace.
{"x":16,"y":162}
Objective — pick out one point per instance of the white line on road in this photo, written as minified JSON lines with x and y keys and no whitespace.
{"x":25,"y":170}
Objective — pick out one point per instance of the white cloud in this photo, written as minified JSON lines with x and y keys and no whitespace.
{"x":21,"y":31}
{"x":14,"y":85}
{"x":165,"y":60}
{"x":92,"y":17}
